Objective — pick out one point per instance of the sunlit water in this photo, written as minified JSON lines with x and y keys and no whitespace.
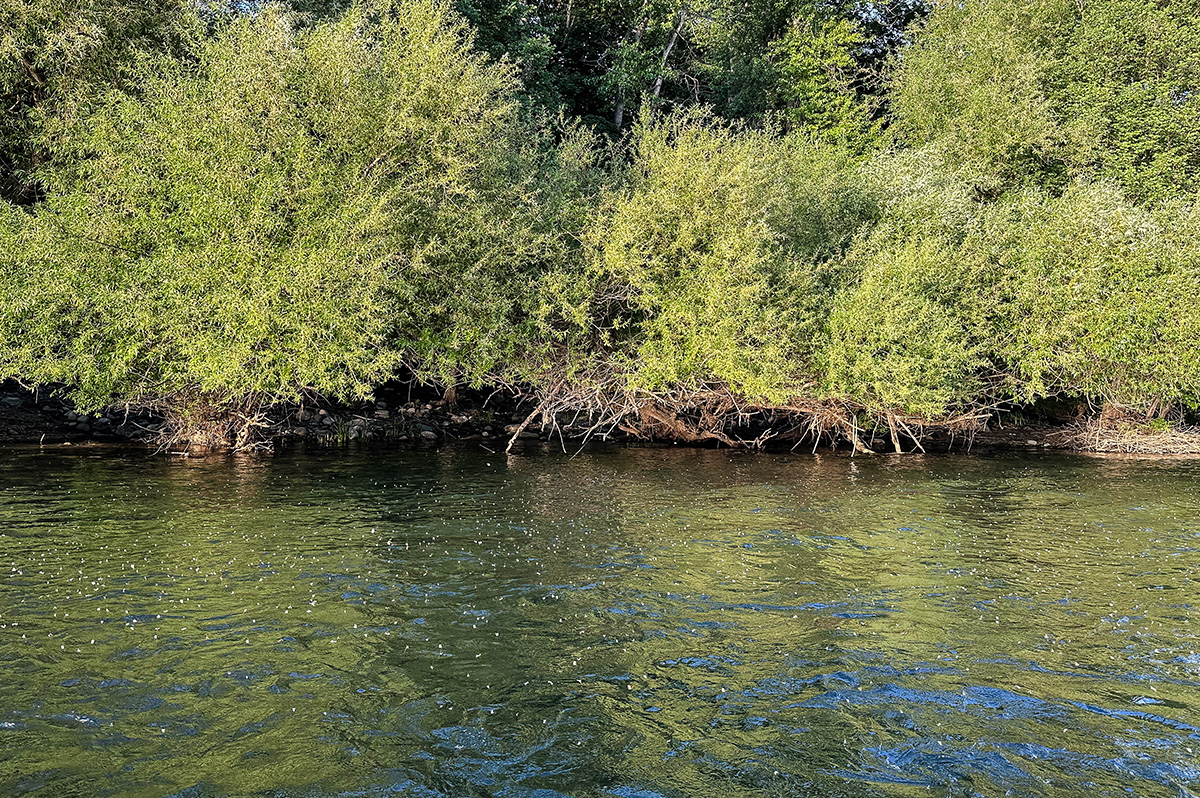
{"x":627,"y":623}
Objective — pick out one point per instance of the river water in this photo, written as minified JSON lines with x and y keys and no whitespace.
{"x":633,"y":623}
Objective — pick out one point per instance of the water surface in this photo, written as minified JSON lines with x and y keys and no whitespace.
{"x":629,"y":623}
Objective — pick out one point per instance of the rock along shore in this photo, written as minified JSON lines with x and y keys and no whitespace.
{"x":32,"y":417}
{"x":40,"y":418}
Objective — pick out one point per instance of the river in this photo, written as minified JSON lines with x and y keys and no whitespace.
{"x":625,"y":623}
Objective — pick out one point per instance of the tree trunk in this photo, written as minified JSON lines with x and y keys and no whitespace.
{"x":662,"y":65}
{"x":637,"y":34}
{"x":895,"y":437}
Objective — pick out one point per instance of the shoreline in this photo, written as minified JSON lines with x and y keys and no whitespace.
{"x":496,"y":423}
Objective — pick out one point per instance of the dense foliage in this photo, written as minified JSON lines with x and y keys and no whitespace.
{"x":907,"y":210}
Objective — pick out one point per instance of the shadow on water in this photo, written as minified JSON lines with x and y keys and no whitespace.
{"x":631,"y":623}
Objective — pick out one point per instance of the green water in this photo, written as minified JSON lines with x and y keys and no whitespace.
{"x":629,"y":623}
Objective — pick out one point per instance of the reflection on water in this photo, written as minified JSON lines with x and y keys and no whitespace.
{"x":630,"y":623}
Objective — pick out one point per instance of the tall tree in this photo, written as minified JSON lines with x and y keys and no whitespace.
{"x":813,"y":63}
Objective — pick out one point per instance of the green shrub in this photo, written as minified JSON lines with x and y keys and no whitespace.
{"x":1125,"y":91}
{"x":706,"y":265}
{"x":972,"y":83}
{"x":54,"y":55}
{"x":1021,"y":94}
{"x":282,"y":214}
{"x":1096,"y":296}
{"x":899,"y":336}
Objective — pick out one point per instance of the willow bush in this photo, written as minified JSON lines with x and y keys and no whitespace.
{"x":1079,"y":294}
{"x":899,"y":337}
{"x":282,"y":214}
{"x":1095,"y":296}
{"x":705,"y":262}
{"x":275,"y":207}
{"x":54,"y":55}
{"x":1038,"y":94}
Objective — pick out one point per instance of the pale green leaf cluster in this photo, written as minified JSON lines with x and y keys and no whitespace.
{"x":1041,"y":93}
{"x":1079,"y":294}
{"x":899,"y":336}
{"x":814,"y":61}
{"x":705,"y":264}
{"x":281,"y":215}
{"x":1095,"y":296}
{"x":972,"y":82}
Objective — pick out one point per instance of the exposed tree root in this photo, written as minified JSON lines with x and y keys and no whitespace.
{"x":579,"y":411}
{"x":200,"y":424}
{"x":714,"y":414}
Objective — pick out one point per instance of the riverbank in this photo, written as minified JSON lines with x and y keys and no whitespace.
{"x":405,"y":414}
